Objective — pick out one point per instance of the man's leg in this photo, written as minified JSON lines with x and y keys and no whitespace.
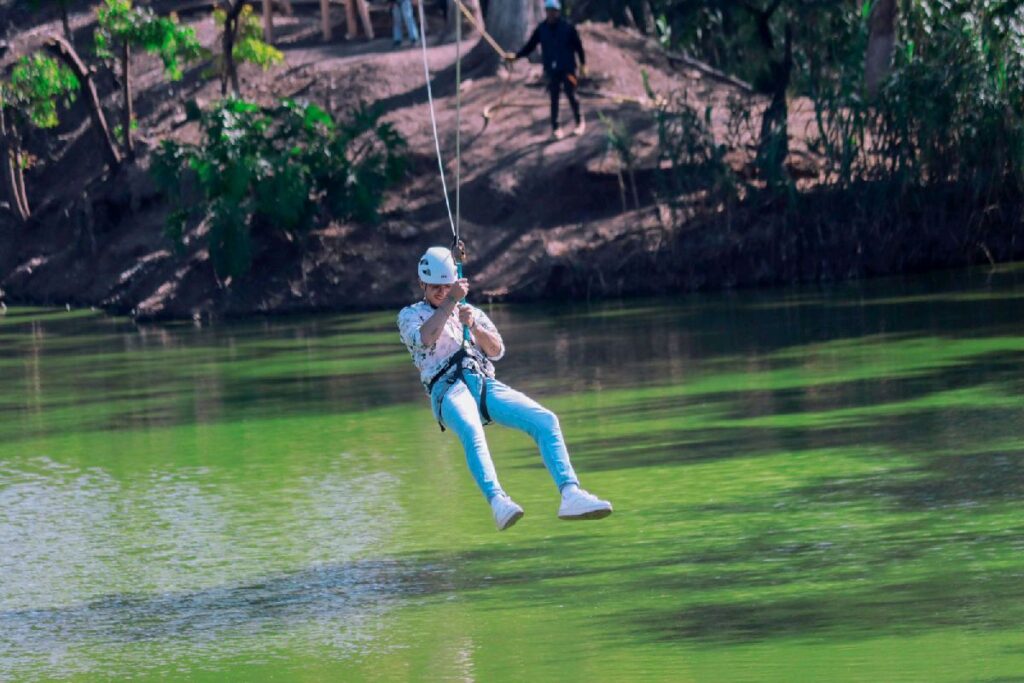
{"x":515,"y":409}
{"x":460,"y":414}
{"x":570,"y":92}
{"x":554,"y":85}
{"x":396,"y":23}
{"x":410,"y":22}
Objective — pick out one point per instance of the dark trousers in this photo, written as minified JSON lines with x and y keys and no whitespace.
{"x":557,"y":81}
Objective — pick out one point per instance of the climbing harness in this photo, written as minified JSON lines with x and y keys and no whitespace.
{"x":456,"y":361}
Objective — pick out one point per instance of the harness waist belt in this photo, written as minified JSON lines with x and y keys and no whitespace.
{"x":456,"y":361}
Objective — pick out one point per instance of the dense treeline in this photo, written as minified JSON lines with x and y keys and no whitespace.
{"x":917,"y":138}
{"x":905,"y":90}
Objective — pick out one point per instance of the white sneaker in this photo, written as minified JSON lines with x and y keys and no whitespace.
{"x":506,"y":511}
{"x":579,"y":504}
{"x":581,"y":127}
{"x":557,"y":134}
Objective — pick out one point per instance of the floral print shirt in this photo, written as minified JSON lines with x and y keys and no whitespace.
{"x":430,"y":360}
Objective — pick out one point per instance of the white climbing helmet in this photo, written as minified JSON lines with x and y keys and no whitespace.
{"x":437,"y":267}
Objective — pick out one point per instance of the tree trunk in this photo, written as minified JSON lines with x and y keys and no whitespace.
{"x":881,"y":42}
{"x":65,"y":22}
{"x":773,"y":147}
{"x":12,"y":171}
{"x":19,"y":181}
{"x":510,"y":23}
{"x":454,"y":14}
{"x":229,"y":70}
{"x":325,"y":19}
{"x":67,"y":54}
{"x":268,"y":21}
{"x":126,"y":90}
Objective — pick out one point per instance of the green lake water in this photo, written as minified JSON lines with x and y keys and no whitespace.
{"x":808,"y":485}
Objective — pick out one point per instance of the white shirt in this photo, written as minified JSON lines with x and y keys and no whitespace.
{"x":430,"y":360}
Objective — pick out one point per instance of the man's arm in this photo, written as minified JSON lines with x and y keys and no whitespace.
{"x":577,"y":45}
{"x":434,"y":325}
{"x":487,"y":340}
{"x":531,"y":44}
{"x":485,"y":334}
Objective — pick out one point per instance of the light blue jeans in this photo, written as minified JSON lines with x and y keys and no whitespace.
{"x":460,"y":413}
{"x":402,"y":10}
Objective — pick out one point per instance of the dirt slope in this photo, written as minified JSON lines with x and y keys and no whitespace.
{"x":541,"y":218}
{"x":526,"y":201}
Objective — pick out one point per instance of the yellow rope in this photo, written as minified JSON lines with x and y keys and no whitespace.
{"x":487,"y":36}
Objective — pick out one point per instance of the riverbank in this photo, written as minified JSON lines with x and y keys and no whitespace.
{"x":542,"y":219}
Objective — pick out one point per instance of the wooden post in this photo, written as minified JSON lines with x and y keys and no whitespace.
{"x":325,"y":19}
{"x":350,"y":21}
{"x":364,"y":15}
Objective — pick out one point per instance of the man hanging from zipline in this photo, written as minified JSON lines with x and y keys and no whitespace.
{"x":453,"y":346}
{"x":560,"y":44}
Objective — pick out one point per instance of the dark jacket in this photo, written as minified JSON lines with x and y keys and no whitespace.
{"x":559,"y":46}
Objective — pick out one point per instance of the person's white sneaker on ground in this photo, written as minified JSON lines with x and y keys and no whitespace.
{"x":581,"y":127}
{"x":580,"y":504}
{"x":506,"y":511}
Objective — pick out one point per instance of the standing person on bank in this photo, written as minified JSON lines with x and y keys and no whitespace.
{"x":559,"y":46}
{"x":401,"y":10}
{"x":459,"y":378}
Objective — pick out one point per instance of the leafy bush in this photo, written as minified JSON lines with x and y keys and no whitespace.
{"x":241,"y":42}
{"x":37,"y":84}
{"x":249,"y":45}
{"x":688,"y":155}
{"x":120,"y":23}
{"x":276,"y":172}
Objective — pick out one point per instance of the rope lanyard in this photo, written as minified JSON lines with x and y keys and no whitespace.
{"x":454,"y":220}
{"x":433,"y":119}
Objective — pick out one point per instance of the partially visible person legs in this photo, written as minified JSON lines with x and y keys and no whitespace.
{"x":570,"y":93}
{"x":554,"y":90}
{"x":396,"y":23}
{"x":459,"y":411}
{"x":460,"y":414}
{"x":410,"y":21}
{"x":515,"y":409}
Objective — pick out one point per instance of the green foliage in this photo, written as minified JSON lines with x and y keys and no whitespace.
{"x":951,"y":111}
{"x":37,"y":84}
{"x":120,"y":23}
{"x":249,"y":46}
{"x":688,"y":155}
{"x":275,"y":172}
{"x":620,"y":143}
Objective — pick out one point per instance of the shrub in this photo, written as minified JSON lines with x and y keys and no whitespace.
{"x":275,"y":172}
